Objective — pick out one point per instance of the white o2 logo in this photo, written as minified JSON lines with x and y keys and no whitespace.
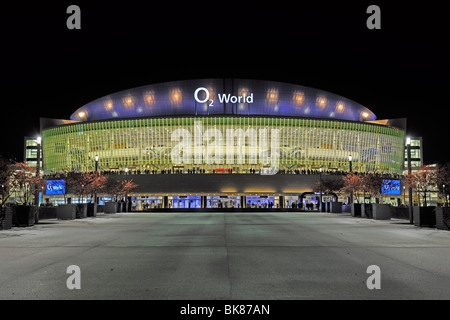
{"x":211,"y":101}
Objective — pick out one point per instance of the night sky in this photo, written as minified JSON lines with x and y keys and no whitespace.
{"x":400,"y":71}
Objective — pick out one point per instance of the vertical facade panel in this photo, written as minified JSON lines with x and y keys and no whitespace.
{"x":145,"y":144}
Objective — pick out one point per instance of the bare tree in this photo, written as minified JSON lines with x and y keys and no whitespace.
{"x":422,"y":180}
{"x":352,"y":183}
{"x":329,"y":185}
{"x":443,"y":181}
{"x":6,"y":170}
{"x":371,"y":185}
{"x":24,"y":180}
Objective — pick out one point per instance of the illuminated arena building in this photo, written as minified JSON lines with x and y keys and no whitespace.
{"x":201,"y":143}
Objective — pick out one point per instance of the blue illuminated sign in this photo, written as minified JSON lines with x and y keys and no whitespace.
{"x":391,"y":187}
{"x":55,"y":187}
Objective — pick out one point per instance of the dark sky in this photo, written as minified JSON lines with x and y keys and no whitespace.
{"x":400,"y":71}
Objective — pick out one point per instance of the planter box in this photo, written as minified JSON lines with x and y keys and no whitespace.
{"x":23,"y":216}
{"x":66,"y":212}
{"x":443,"y":218}
{"x":400,"y":213}
{"x":381,"y":211}
{"x":424,"y":216}
{"x":111,"y":207}
{"x":35,"y":212}
{"x":91,"y":212}
{"x":356,"y":209}
{"x":366,"y":210}
{"x":347,"y":208}
{"x":126,"y":206}
{"x":81,"y":211}
{"x":6,"y":218}
{"x":336,"y":207}
{"x":47,"y":213}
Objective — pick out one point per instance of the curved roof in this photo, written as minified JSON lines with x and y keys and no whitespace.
{"x":266,"y":98}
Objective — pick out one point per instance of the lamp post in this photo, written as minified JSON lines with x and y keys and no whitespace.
{"x":96,"y":163}
{"x":95,"y":194}
{"x":443,"y":190}
{"x":408,"y":149}
{"x":404,"y":193}
{"x":36,"y":189}
{"x":350,"y":158}
{"x":320,"y":190}
{"x":126,"y":199}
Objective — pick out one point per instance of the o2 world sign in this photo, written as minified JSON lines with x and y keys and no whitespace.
{"x":244,"y":98}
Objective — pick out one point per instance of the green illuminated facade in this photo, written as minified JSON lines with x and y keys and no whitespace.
{"x":148,"y":144}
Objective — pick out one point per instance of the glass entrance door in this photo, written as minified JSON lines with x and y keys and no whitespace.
{"x":261,"y":202}
{"x":220,"y":202}
{"x":186,"y":202}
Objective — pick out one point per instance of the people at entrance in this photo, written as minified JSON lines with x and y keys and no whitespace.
{"x":231,"y":202}
{"x":309,"y":206}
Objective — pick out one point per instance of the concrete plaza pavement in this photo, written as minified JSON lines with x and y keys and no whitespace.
{"x":216,"y":255}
